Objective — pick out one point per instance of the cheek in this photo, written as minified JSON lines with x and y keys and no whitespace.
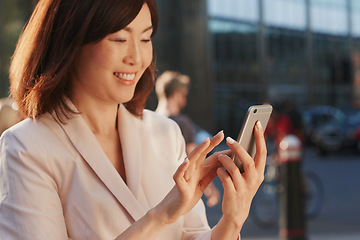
{"x":102,"y":57}
{"x":90,"y":58}
{"x":148,"y":57}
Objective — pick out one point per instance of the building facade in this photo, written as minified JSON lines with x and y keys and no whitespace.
{"x":305,"y":51}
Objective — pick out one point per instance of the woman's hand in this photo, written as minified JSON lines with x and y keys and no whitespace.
{"x":239,"y":189}
{"x":191,"y":179}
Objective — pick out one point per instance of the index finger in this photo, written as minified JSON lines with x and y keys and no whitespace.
{"x":194,"y":156}
{"x":200,"y":149}
{"x":261,"y":150}
{"x":214,"y":141}
{"x":200,"y":154}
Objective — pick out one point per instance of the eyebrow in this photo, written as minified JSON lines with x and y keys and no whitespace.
{"x":145,"y":30}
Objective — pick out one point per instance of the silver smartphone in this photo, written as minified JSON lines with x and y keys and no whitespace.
{"x":246,"y":136}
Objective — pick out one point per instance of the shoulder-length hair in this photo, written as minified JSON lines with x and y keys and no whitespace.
{"x":41,"y":64}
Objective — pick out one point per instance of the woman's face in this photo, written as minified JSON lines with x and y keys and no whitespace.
{"x":109,"y":70}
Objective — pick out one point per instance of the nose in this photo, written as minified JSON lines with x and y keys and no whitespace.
{"x":133,"y":56}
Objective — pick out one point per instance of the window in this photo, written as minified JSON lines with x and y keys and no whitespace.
{"x":285,"y":13}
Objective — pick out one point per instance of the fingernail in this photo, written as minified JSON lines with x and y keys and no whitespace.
{"x":221,"y":155}
{"x":229,"y":140}
{"x":219,"y":133}
{"x":258,"y":124}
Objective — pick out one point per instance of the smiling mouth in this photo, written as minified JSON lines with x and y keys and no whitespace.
{"x":125,"y":76}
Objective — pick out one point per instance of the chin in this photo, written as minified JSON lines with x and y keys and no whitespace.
{"x":125,"y":99}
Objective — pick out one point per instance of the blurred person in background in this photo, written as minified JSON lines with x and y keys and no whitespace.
{"x":89,"y":162}
{"x":172,"y":89}
{"x":9,"y":114}
{"x":285,"y":119}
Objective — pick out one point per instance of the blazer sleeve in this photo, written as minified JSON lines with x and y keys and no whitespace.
{"x":30,"y":207}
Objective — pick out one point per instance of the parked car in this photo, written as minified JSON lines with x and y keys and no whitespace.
{"x":338,"y":134}
{"x":319,"y":116}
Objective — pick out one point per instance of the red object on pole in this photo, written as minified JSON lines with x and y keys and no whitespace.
{"x":292,"y":220}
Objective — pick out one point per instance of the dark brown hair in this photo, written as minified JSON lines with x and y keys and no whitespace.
{"x":41,"y":65}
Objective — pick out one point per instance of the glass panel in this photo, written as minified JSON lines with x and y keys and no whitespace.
{"x":355,"y":17}
{"x":234,"y":51}
{"x":285,"y":63}
{"x":333,"y":3}
{"x":236,"y":71}
{"x":355,"y":5}
{"x":285,"y":13}
{"x":234,"y":9}
{"x":329,"y":16}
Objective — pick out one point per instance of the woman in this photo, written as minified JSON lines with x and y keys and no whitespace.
{"x":89,"y":162}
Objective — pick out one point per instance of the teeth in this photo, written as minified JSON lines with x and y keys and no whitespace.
{"x":125,"y":76}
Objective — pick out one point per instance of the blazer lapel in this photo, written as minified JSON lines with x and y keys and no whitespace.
{"x":87,"y":145}
{"x":128,"y":127}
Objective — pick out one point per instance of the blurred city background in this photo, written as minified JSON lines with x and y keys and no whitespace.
{"x":244,"y":52}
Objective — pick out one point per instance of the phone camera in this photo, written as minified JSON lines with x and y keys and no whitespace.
{"x":255,"y":110}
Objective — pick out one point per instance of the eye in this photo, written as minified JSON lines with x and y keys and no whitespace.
{"x":119,"y":40}
{"x":146,"y":40}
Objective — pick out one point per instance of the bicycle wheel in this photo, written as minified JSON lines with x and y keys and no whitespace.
{"x":313,"y":194}
{"x":264,"y":208}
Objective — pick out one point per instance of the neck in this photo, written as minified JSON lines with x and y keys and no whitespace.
{"x":101,"y":117}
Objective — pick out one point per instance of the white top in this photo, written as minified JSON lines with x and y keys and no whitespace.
{"x":57,"y":183}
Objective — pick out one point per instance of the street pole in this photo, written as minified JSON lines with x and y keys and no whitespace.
{"x":292,"y":220}
{"x":309,"y":56}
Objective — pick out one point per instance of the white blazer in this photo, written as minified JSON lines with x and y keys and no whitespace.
{"x":57,"y":183}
